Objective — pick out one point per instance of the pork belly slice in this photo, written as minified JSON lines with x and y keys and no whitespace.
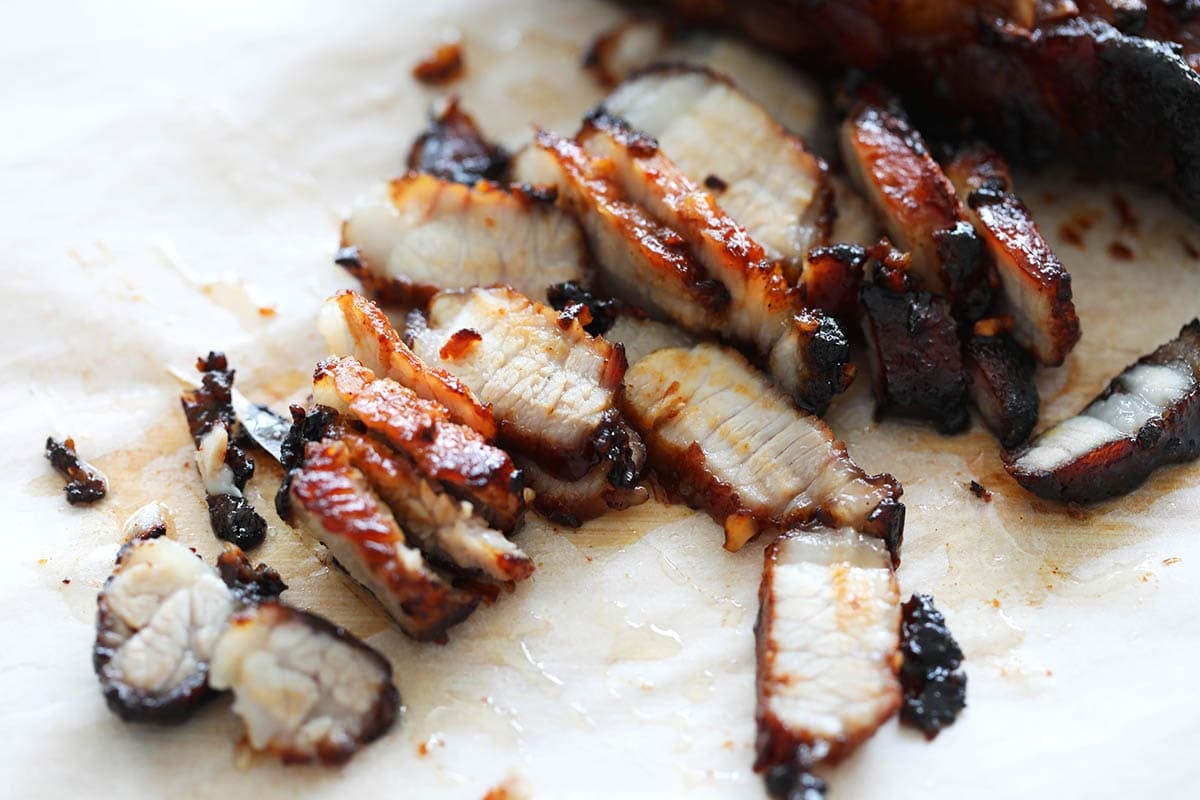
{"x":85,"y":483}
{"x":453,"y":148}
{"x":552,"y":387}
{"x":723,"y":438}
{"x":306,"y":689}
{"x":640,"y":336}
{"x":407,"y":239}
{"x":1147,"y":417}
{"x":641,"y":260}
{"x":159,"y":616}
{"x":223,"y":464}
{"x":827,"y":642}
{"x":332,"y":500}
{"x":804,"y":350}
{"x":912,"y":345}
{"x":762,"y":176}
{"x":355,"y":326}
{"x":456,"y":456}
{"x":1000,"y":383}
{"x":1036,"y":286}
{"x":889,"y":163}
{"x":603,"y":489}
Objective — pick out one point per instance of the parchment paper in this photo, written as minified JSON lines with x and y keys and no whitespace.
{"x":174,"y":181}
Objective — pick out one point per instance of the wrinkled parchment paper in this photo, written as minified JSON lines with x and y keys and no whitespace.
{"x":174,"y":181}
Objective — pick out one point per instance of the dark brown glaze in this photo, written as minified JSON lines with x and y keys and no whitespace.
{"x":251,"y":584}
{"x":457,"y":456}
{"x":443,"y":65}
{"x":307,"y":426}
{"x":1036,"y":286}
{"x":85,"y":483}
{"x":1000,"y":382}
{"x":935,"y":686}
{"x":1120,"y":466}
{"x":892,"y":167}
{"x":453,"y":147}
{"x":1041,"y":81}
{"x":571,"y":503}
{"x":602,"y":312}
{"x":232,"y":517}
{"x":913,"y":346}
{"x":831,"y":279}
{"x":338,"y":505}
{"x":374,"y":722}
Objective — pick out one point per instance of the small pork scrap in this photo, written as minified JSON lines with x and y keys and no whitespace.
{"x":85,"y":483}
{"x":552,"y":386}
{"x":223,"y":464}
{"x":723,"y":438}
{"x":827,"y":640}
{"x":1147,"y":417}
{"x":1036,"y":286}
{"x":912,"y":345}
{"x":407,"y":239}
{"x":457,"y":457}
{"x":332,"y":500}
{"x":889,"y":163}
{"x":452,"y":147}
{"x":1000,"y":382}
{"x":355,"y":326}
{"x":762,"y":176}
{"x":158,"y":620}
{"x":803,"y":349}
{"x":935,"y":686}
{"x":306,"y":689}
{"x":603,"y":489}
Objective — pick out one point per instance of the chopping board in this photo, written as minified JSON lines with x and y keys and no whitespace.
{"x":176,"y":180}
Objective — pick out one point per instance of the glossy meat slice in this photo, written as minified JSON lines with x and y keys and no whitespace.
{"x":639,"y":259}
{"x":831,"y":280}
{"x":912,"y":345}
{"x":722,"y":437}
{"x":889,"y":163}
{"x":334,"y":503}
{"x":452,"y":147}
{"x":409,"y":238}
{"x":551,"y":385}
{"x":307,"y":690}
{"x":804,"y":350}
{"x":452,"y":454}
{"x":1036,"y":286}
{"x":159,"y":616}
{"x":355,"y":326}
{"x":827,"y":640}
{"x":603,"y":489}
{"x":762,"y":176}
{"x":1147,"y":417}
{"x":1000,"y":382}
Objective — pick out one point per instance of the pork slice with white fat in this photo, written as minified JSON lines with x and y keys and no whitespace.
{"x":407,"y":239}
{"x":306,"y":689}
{"x":827,"y":636}
{"x":1147,"y":417}
{"x":722,"y":437}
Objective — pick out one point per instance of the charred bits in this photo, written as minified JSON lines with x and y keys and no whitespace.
{"x":443,"y":65}
{"x":85,"y":483}
{"x":935,"y":686}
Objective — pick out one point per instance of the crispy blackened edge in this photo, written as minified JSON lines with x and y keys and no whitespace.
{"x":569,"y":294}
{"x":935,"y":686}
{"x":831,"y":279}
{"x":85,"y":483}
{"x":452,"y":147}
{"x":307,"y":426}
{"x":1002,"y":387}
{"x":965,"y":269}
{"x":251,"y":584}
{"x":828,"y":366}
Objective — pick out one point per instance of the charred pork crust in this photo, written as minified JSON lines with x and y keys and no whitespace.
{"x":452,"y":147}
{"x":889,"y":162}
{"x":1036,"y":287}
{"x":1147,"y":417}
{"x":569,"y":294}
{"x":250,"y":584}
{"x":831,"y":278}
{"x":913,"y":346}
{"x":608,"y":487}
{"x":307,"y":426}
{"x":308,"y":690}
{"x":85,"y":483}
{"x":1001,"y":386}
{"x":935,"y":686}
{"x":794,"y":782}
{"x":224,"y":464}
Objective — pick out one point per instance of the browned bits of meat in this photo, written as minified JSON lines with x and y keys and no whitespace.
{"x":935,"y":686}
{"x":1120,"y":251}
{"x":1002,"y":387}
{"x":979,"y":491}
{"x":85,"y":483}
{"x":831,"y":278}
{"x":453,"y":147}
{"x":252,"y":584}
{"x":794,"y":782}
{"x":715,"y":183}
{"x":442,"y":66}
{"x":603,"y":312}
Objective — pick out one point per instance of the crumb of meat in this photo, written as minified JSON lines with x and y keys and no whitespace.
{"x":979,"y":491}
{"x":935,"y":686}
{"x":85,"y":483}
{"x":443,"y":65}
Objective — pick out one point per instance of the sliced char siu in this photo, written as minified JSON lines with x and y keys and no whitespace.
{"x":827,"y":636}
{"x":407,"y":239}
{"x":1148,"y":417}
{"x":1036,"y":287}
{"x":912,"y":345}
{"x":803,"y":349}
{"x":723,"y":438}
{"x":1000,"y":383}
{"x":453,"y":148}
